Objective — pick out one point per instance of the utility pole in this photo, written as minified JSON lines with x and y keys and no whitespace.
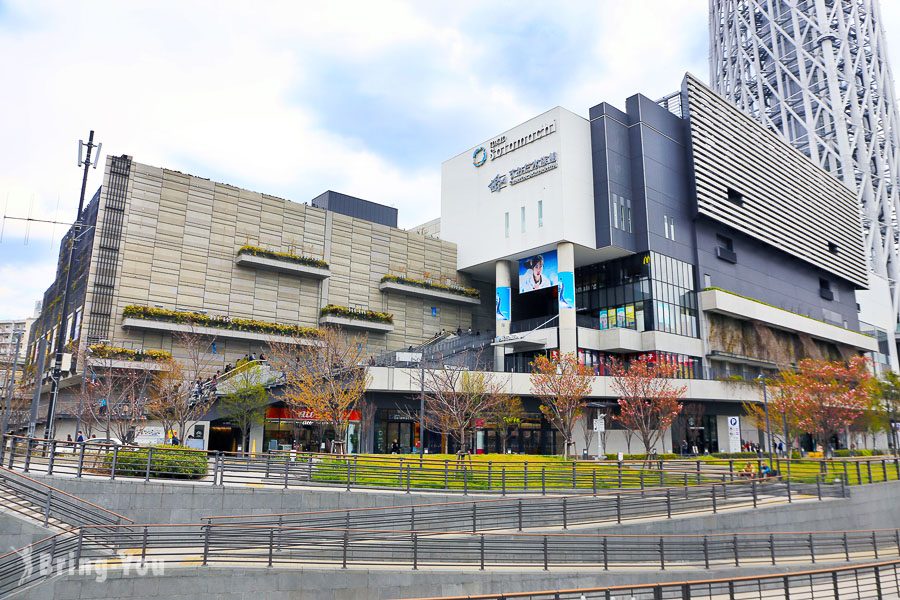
{"x":11,"y":384}
{"x":50,"y":426}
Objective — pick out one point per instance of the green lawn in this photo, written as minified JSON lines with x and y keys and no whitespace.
{"x":517,"y":472}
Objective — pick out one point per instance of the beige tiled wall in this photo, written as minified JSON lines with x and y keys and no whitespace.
{"x":180,"y":242}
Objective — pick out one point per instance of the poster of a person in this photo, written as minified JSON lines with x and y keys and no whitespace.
{"x":537,"y":272}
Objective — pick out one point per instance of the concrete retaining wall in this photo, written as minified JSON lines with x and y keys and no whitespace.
{"x":193,"y":583}
{"x":16,"y":532}
{"x":177,"y":502}
{"x":874,"y":506}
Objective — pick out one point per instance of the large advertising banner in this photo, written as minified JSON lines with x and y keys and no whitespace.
{"x":538,"y":272}
{"x":503,"y":303}
{"x":566,"y":290}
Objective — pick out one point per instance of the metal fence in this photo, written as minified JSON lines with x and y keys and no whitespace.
{"x":274,"y":546}
{"x":35,"y":500}
{"x":287,"y":469}
{"x":872,"y":581}
{"x":548,"y":511}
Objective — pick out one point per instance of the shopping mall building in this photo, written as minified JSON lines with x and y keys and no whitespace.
{"x":684,"y":231}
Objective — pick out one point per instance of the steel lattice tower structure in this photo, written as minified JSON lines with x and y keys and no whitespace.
{"x":816,"y":72}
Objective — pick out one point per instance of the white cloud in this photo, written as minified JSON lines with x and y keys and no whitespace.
{"x":232,"y":90}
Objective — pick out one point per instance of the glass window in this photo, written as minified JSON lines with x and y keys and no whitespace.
{"x":506,"y":224}
{"x":540,"y":213}
{"x":614,"y":202}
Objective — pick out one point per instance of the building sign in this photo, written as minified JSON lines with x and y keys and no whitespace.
{"x":502,"y":145}
{"x":734,"y":434}
{"x":539,"y":272}
{"x":503,"y":303}
{"x":479,"y":156}
{"x":150,"y":435}
{"x":531,"y":169}
{"x":286,"y":414}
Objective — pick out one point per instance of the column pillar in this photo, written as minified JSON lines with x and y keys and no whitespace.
{"x":503,"y":308}
{"x":565,"y":256}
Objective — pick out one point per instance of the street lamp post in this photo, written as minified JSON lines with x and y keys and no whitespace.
{"x":422,"y":404}
{"x":49,"y":427}
{"x":762,"y":379}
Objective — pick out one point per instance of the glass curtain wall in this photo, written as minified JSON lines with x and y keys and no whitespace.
{"x":647,"y":291}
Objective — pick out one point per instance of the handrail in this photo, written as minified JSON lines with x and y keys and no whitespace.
{"x":48,"y":502}
{"x":674,"y":586}
{"x":261,"y":545}
{"x":8,"y":472}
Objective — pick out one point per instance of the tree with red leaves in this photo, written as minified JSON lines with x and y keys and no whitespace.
{"x":648,"y":401}
{"x":826,"y":396}
{"x":561,"y":384}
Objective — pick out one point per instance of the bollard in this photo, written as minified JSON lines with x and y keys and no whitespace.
{"x":545,"y":554}
{"x":272,"y":546}
{"x":620,"y":474}
{"x":734,"y":542}
{"x":668,"y":503}
{"x":519,"y":510}
{"x":503,"y":480}
{"x":565,"y":517}
{"x":12,"y":452}
{"x":408,"y":478}
{"x":490,"y":474}
{"x":287,"y":467}
{"x":594,"y":481}
{"x":446,"y":475}
{"x":474,"y":517}
{"x":706,"y":551}
{"x":618,"y":508}
{"x":662,"y":554}
{"x":575,"y":477}
{"x":605,"y":554}
{"x":543,"y":481}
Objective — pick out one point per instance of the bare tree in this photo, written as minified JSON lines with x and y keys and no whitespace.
{"x":327,"y":378}
{"x":455,"y":398}
{"x":183,"y":390}
{"x":561,"y":384}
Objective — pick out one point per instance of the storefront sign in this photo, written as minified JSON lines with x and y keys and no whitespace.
{"x":286,"y":414}
{"x":149,"y":436}
{"x":734,"y":434}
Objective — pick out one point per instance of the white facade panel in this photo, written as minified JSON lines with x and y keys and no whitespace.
{"x":556,"y":192}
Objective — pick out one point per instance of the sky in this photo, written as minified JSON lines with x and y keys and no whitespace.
{"x":291,"y":99}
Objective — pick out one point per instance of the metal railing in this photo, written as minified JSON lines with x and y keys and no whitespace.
{"x":527,"y":513}
{"x":274,"y":546}
{"x":297,"y":469}
{"x":875,"y":581}
{"x":50,"y":506}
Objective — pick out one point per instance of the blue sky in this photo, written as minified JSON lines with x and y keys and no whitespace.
{"x":367,"y":98}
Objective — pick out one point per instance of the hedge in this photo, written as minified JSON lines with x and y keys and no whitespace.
{"x":430,"y":285}
{"x":857,"y":452}
{"x":166,"y":462}
{"x":362,"y":315}
{"x":149,"y":313}
{"x":665,"y":456}
{"x":286,"y":256}
{"x":115,"y":353}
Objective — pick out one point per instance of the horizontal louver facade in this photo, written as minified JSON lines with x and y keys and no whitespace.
{"x":751,"y":180}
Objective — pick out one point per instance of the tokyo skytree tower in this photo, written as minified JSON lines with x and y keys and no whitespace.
{"x":816,"y":72}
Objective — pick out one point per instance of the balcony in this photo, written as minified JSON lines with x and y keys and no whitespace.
{"x":356,"y":318}
{"x":281,"y":262}
{"x":428,"y":291}
{"x":748,"y":309}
